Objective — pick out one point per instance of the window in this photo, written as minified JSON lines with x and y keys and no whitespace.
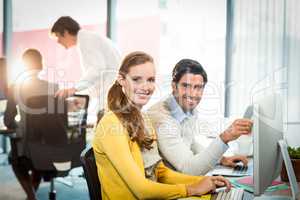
{"x":1,"y":28}
{"x":170,"y":30}
{"x":32,"y":31}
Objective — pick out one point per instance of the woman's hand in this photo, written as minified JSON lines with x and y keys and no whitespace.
{"x":206,"y":185}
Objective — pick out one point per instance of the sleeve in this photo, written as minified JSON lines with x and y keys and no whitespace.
{"x":167,"y":175}
{"x":114,"y":144}
{"x":11,"y":110}
{"x":95,"y":62}
{"x":181,"y":155}
{"x":94,"y":66}
{"x":215,"y":150}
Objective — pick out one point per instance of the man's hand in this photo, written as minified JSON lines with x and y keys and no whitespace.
{"x":63,"y":93}
{"x":232,"y":160}
{"x":236,"y":129}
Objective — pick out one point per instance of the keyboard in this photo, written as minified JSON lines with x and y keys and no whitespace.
{"x":233,"y":194}
{"x":240,"y":169}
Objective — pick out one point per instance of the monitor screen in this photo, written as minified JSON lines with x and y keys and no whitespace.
{"x":267,"y":131}
{"x":3,"y":79}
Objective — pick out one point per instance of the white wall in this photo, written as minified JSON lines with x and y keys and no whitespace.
{"x":40,"y":14}
{"x":128,"y":9}
{"x":266,"y":58}
{"x":196,"y":29}
{"x":292,"y":52}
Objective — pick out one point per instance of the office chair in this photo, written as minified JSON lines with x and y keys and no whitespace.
{"x":55,"y":135}
{"x":90,"y":171}
{"x":90,"y":168}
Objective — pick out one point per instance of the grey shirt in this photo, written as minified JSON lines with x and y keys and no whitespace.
{"x":17,"y":96}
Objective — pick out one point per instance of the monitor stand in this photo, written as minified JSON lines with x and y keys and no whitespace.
{"x":291,"y":174}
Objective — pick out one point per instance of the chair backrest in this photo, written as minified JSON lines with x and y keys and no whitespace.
{"x":50,"y":142}
{"x":90,"y":170}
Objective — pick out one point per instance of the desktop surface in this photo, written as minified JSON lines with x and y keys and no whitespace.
{"x":248,"y":195}
{"x":276,"y":194}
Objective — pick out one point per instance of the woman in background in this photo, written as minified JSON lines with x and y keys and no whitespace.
{"x":125,"y":147}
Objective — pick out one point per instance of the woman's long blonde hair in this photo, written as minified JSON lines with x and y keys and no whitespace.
{"x":129,"y":115}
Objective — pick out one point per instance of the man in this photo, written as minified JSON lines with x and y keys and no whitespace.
{"x":99,"y":58}
{"x":176,"y":123}
{"x":3,"y":81}
{"x":28,"y":85}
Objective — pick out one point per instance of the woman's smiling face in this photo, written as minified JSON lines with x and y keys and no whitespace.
{"x":139,"y":83}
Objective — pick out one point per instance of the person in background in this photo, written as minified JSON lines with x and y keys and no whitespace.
{"x":3,"y":85}
{"x":30,"y":85}
{"x":176,"y":123}
{"x":98,"y":55}
{"x":125,"y":148}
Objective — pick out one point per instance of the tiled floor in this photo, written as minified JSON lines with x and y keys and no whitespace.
{"x":11,"y":190}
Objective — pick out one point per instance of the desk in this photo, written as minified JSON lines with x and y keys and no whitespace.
{"x":6,"y":133}
{"x":284,"y":192}
{"x":247,"y":195}
{"x":250,"y":196}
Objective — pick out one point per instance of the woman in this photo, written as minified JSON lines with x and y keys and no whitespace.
{"x":129,"y":166}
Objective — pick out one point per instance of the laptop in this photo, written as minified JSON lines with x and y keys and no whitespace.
{"x":237,"y":171}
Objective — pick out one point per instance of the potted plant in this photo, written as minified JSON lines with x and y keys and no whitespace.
{"x":295,"y":158}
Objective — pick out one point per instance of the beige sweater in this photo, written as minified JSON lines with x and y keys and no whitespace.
{"x":177,"y":140}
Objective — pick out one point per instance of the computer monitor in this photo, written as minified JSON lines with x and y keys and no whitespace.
{"x":270,"y":149}
{"x":3,"y":79}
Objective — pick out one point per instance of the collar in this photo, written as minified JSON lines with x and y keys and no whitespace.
{"x":29,"y":74}
{"x":33,"y":74}
{"x":176,"y":110}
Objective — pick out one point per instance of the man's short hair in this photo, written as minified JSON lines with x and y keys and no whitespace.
{"x":65,"y":23}
{"x":185,"y":66}
{"x":34,"y":58}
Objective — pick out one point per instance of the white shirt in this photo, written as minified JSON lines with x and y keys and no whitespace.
{"x":100,"y":62}
{"x":176,"y":133}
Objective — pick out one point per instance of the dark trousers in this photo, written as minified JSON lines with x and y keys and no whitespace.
{"x":28,"y":177}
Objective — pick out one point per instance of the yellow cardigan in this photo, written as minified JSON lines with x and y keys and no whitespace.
{"x":121,"y":169}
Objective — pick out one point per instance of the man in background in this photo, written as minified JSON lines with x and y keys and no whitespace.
{"x":27,"y":86}
{"x":99,"y":57}
{"x":3,"y":79}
